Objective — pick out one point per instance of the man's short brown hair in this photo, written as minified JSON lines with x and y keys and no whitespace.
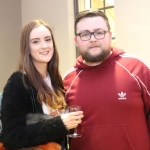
{"x":90,"y":13}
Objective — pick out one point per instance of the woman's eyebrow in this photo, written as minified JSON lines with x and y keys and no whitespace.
{"x":39,"y":38}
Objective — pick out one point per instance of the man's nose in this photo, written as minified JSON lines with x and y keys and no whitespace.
{"x":93,"y":37}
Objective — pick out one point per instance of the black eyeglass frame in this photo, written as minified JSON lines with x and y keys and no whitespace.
{"x":92,"y":33}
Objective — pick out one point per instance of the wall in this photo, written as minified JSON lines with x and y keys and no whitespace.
{"x":15,"y":14}
{"x":133,"y":27}
{"x":60,"y":15}
{"x":10,"y":27}
{"x":131,"y":20}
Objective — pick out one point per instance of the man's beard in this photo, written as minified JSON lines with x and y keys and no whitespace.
{"x":97,"y":58}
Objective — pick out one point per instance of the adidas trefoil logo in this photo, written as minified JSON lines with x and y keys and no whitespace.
{"x":122,"y":96}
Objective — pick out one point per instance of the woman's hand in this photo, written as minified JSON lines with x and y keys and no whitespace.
{"x":72,"y":119}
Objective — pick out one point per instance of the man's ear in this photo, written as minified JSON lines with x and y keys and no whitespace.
{"x":110,"y":34}
{"x":75,"y":40}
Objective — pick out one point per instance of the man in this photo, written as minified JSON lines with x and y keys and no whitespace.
{"x":112,"y":88}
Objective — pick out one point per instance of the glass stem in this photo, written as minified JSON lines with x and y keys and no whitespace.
{"x":75,"y":130}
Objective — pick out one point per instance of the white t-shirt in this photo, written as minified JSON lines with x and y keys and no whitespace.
{"x":47,"y":109}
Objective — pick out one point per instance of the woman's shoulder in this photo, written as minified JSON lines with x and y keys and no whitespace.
{"x":16,"y":74}
{"x":14,"y":89}
{"x":15,"y":80}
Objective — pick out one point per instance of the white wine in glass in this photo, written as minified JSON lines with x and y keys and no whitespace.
{"x":74,"y":108}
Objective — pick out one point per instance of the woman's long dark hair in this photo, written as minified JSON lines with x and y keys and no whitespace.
{"x":54,"y":99}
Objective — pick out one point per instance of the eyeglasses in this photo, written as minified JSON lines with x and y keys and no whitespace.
{"x":99,"y":34}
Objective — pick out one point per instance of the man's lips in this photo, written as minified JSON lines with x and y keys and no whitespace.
{"x":94,"y":46}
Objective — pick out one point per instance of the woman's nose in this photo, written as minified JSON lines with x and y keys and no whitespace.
{"x":44,"y":44}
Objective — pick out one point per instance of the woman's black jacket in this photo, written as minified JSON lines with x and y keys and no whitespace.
{"x":17,"y":103}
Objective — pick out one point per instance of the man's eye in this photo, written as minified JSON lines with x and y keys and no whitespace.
{"x":99,"y":33}
{"x":84,"y":34}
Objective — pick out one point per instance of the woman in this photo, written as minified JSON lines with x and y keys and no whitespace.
{"x":33,"y":98}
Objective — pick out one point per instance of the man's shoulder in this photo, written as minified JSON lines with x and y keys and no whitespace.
{"x":133,"y":63}
{"x":69,"y":72}
{"x":134,"y":59}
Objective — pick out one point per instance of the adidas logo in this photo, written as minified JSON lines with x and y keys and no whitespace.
{"x":122,"y":96}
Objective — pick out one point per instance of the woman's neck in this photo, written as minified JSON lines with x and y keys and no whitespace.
{"x":42,"y":69}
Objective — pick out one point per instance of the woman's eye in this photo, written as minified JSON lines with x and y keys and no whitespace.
{"x":48,"y":39}
{"x":35,"y":42}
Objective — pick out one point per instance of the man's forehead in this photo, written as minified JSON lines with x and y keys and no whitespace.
{"x":91,"y":23}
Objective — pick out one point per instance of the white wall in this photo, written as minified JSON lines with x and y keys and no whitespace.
{"x":10,"y":27}
{"x":60,"y":15}
{"x":15,"y":14}
{"x":132,"y":23}
{"x":131,"y":20}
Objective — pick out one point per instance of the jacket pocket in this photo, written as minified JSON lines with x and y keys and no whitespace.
{"x":113,"y":137}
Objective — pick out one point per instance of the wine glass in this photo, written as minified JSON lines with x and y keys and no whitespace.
{"x":74,"y":108}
